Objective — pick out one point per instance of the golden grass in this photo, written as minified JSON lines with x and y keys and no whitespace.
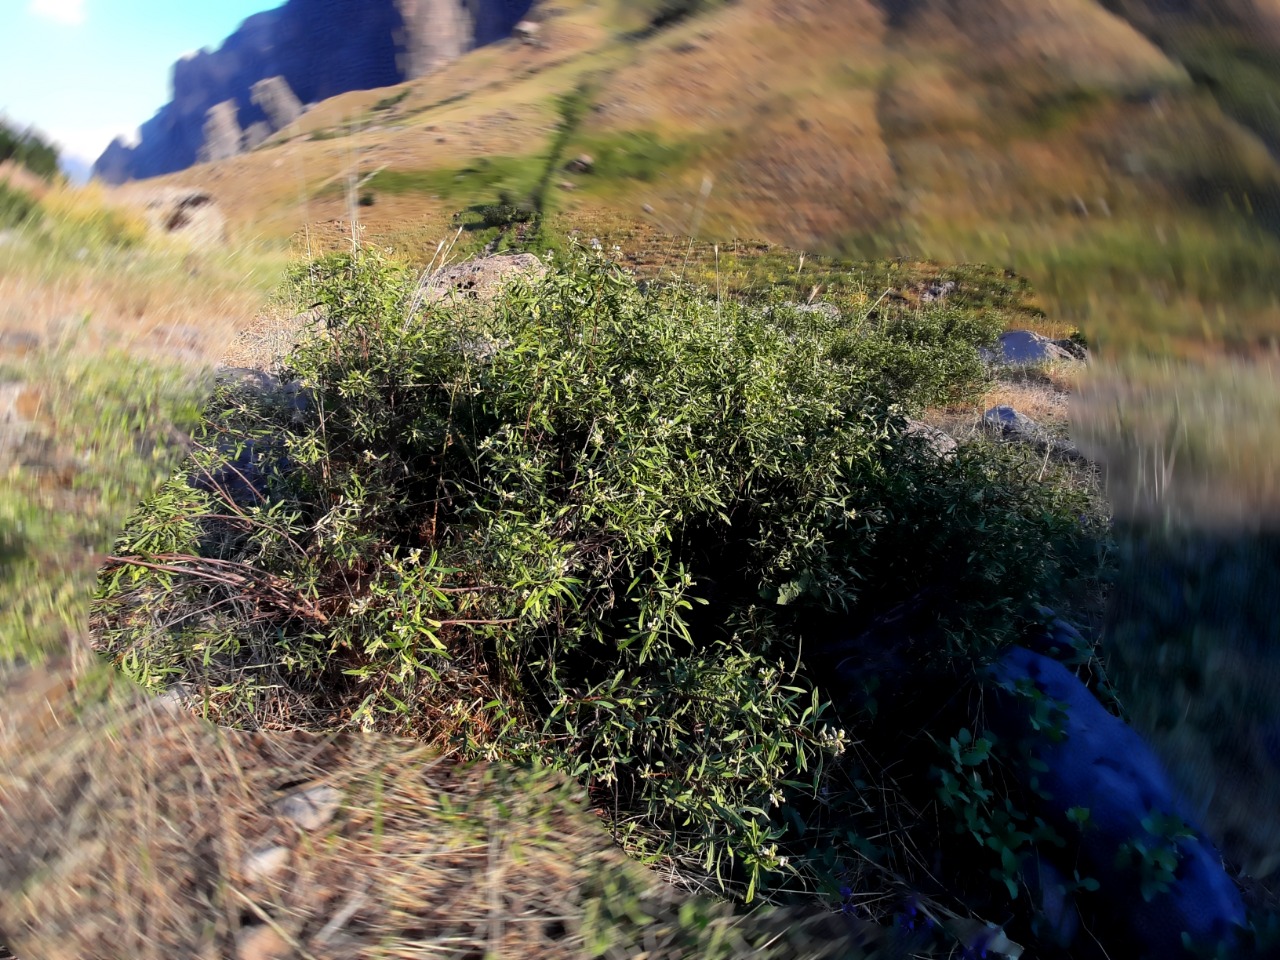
{"x":1186,"y":440}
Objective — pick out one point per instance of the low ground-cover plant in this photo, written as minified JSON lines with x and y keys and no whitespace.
{"x":595,"y":525}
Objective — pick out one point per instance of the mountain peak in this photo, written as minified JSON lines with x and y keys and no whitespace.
{"x":315,"y":49}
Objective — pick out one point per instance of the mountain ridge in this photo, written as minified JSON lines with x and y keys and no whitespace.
{"x":320,"y":48}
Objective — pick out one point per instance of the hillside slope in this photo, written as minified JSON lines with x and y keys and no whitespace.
{"x":1069,"y":141}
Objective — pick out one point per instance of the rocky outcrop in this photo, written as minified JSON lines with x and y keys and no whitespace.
{"x":222,"y":133}
{"x":1009,"y":424}
{"x":315,"y":49}
{"x":277,"y":101}
{"x":192,"y":215}
{"x":480,"y":279}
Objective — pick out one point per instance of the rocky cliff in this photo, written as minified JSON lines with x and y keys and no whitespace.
{"x":314,"y":49}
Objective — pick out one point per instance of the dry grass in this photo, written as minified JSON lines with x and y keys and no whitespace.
{"x":129,"y":827}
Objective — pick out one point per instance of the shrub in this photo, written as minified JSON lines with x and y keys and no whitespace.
{"x":594,"y":526}
{"x":16,"y":207}
{"x":391,"y":100}
{"x":505,"y":214}
{"x":668,"y":12}
{"x":30,"y":150}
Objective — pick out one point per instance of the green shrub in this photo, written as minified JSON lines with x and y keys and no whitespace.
{"x":391,"y":100}
{"x":505,"y":214}
{"x":668,"y":12}
{"x":30,"y":150}
{"x":595,"y":526}
{"x":16,"y":207}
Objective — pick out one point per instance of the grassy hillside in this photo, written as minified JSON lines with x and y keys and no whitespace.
{"x":1118,"y":155}
{"x":1125,"y":176}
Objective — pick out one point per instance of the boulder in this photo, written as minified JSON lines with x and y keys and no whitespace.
{"x":1096,"y":762}
{"x":254,"y":136}
{"x":251,"y":465}
{"x":1023,"y":348}
{"x":820,"y":307}
{"x":480,"y":279}
{"x":938,"y":290}
{"x":1008,"y":424}
{"x":941,"y":443}
{"x":311,"y":809}
{"x":18,"y":406}
{"x":527,"y":31}
{"x":582,"y":163}
{"x":266,"y":386}
{"x":261,"y":942}
{"x":193,"y":215}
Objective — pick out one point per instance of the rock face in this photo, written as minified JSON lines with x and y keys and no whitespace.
{"x":313,"y":48}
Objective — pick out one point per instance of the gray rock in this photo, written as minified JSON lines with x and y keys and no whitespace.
{"x":267,"y":386}
{"x":940,"y":442}
{"x":1008,"y":424}
{"x":582,"y":163}
{"x":176,"y":700}
{"x":1023,"y":348}
{"x":15,"y":418}
{"x":528,"y":31}
{"x":249,"y":467}
{"x":19,"y":341}
{"x":1076,"y":350}
{"x":1100,"y":764}
{"x":261,"y":942}
{"x":1013,"y":425}
{"x":193,"y":215}
{"x":828,"y":310}
{"x":255,"y":135}
{"x":311,"y":809}
{"x":266,"y":864}
{"x":480,"y":279}
{"x":1052,"y":896}
{"x":939,"y":290}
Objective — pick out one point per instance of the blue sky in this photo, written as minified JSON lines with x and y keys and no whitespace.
{"x":83,"y":71}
